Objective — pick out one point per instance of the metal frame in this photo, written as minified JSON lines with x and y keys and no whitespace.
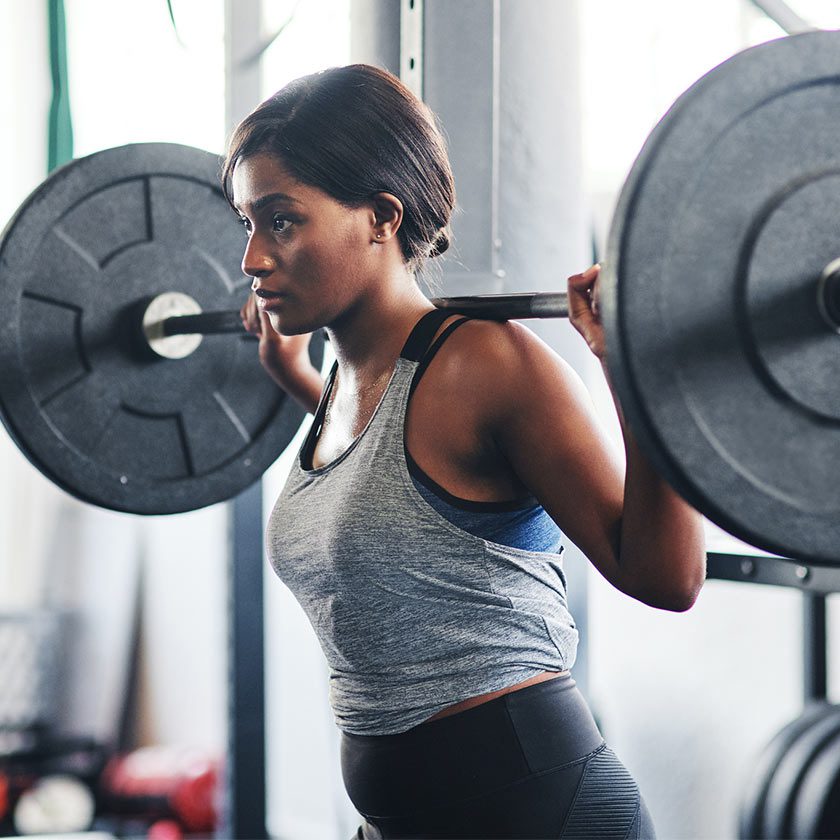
{"x":244,"y":809}
{"x":411,"y":45}
{"x":815,"y":583}
{"x":245,"y":773}
{"x":774,"y":571}
{"x":782,"y":14}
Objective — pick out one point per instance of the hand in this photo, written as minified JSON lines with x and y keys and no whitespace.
{"x":583,"y":309}
{"x":284,"y":357}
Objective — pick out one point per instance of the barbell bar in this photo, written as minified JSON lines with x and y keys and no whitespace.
{"x":503,"y":307}
{"x":498,"y":307}
{"x":720,"y":300}
{"x":172,"y":323}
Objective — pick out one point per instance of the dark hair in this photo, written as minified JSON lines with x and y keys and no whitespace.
{"x":353,"y":132}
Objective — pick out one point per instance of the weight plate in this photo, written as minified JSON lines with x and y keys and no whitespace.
{"x":727,"y":370}
{"x":816,"y":811}
{"x":754,"y":798}
{"x":785,"y":785}
{"x":105,"y":421}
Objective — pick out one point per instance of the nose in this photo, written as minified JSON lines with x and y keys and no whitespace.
{"x":256,"y":261}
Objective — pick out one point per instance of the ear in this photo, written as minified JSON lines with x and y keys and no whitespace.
{"x":386,"y":217}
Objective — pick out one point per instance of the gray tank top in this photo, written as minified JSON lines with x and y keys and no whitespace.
{"x":413,"y":613}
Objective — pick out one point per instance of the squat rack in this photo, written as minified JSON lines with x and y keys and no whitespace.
{"x":815,"y":583}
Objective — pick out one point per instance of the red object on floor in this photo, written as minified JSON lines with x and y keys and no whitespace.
{"x":164,"y":783}
{"x":164,"y":830}
{"x":4,"y":795}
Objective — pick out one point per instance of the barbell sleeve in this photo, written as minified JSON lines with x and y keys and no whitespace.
{"x":510,"y":307}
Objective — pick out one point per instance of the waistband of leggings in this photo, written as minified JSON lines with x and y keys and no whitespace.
{"x":550,"y":708}
{"x":544,"y":726}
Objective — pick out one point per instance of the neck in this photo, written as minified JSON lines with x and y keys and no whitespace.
{"x":369,"y":337}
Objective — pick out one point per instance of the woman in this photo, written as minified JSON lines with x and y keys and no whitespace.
{"x":420,"y":528}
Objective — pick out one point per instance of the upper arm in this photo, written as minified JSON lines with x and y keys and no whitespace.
{"x":543,"y":422}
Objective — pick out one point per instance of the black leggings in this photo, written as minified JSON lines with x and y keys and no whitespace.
{"x":529,"y":764}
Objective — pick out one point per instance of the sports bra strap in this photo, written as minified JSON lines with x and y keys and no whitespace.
{"x":432,"y":352}
{"x":416,"y":349}
{"x":308,"y":448}
{"x":423,"y":332}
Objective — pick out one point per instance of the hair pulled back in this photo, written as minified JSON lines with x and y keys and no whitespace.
{"x":352,"y":132}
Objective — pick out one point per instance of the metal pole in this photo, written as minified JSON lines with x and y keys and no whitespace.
{"x":784,"y":16}
{"x":814,"y":647}
{"x":244,"y":813}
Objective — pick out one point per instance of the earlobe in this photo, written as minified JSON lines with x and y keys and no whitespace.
{"x":387,"y":216}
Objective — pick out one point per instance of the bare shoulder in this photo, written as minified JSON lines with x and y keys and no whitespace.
{"x":505,"y":367}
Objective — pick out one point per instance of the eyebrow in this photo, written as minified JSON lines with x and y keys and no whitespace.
{"x":270,"y":198}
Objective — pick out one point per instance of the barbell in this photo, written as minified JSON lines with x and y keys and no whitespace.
{"x":720,"y":301}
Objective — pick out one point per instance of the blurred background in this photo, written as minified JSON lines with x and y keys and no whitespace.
{"x":119,"y":624}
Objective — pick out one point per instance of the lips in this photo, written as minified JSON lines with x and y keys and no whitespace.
{"x":268,"y":300}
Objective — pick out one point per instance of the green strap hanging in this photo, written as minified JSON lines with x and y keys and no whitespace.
{"x":60,"y":136}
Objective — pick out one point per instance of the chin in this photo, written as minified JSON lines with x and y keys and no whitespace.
{"x":285,"y":325}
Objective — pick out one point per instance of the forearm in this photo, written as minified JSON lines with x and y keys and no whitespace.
{"x":661,"y":550}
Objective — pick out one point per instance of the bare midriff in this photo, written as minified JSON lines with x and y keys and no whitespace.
{"x":471,"y":702}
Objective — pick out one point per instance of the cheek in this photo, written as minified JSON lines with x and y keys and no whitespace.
{"x":340,"y":255}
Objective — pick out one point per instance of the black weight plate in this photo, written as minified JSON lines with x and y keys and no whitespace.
{"x":754,"y":797}
{"x":816,"y":812}
{"x":724,"y":366}
{"x":785,"y":785}
{"x":105,"y":422}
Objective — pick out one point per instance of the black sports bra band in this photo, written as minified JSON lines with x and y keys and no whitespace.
{"x":431,"y":352}
{"x":308,"y":448}
{"x":416,"y":349}
{"x":422,"y":334}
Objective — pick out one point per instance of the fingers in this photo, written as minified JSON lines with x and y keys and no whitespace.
{"x":265,"y":327}
{"x":585,"y":278}
{"x":583,"y":293}
{"x":251,"y":316}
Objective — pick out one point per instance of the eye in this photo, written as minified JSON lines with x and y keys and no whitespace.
{"x":280,"y":223}
{"x":245,"y":223}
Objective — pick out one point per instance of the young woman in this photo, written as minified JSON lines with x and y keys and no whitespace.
{"x":421,"y":527}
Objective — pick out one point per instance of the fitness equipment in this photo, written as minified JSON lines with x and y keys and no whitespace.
{"x":784,"y":785}
{"x":751,"y":822}
{"x":720,"y":301}
{"x":816,"y":811}
{"x":794,"y":788}
{"x":164,"y":783}
{"x":724,"y":239}
{"x":82,"y":394}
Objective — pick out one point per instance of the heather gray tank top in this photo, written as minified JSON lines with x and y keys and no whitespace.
{"x":413,"y":613}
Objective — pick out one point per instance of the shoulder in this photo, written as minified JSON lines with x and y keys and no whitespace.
{"x":503,"y":351}
{"x":504,"y":366}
